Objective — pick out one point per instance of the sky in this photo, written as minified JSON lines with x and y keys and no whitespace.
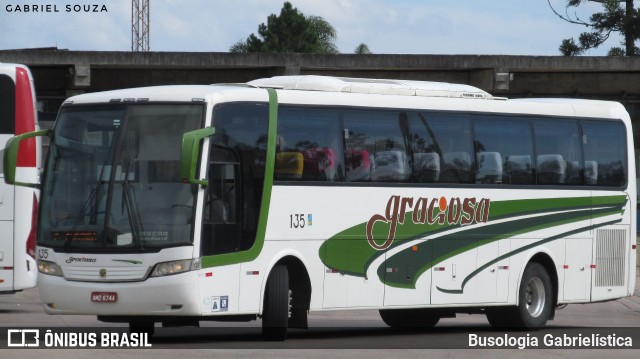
{"x":482,"y":27}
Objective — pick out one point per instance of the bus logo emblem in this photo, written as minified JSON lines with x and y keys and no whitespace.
{"x":103,"y":273}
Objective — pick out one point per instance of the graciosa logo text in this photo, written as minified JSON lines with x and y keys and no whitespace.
{"x":428,"y":212}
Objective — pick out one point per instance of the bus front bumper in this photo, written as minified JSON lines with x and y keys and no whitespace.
{"x":174,"y":295}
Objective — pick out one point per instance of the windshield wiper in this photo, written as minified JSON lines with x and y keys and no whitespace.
{"x":132,"y":210}
{"x":94,"y":197}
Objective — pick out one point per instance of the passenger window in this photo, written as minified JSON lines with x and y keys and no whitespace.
{"x":426,"y":155}
{"x":558,"y":152}
{"x":604,"y":153}
{"x":309,"y":145}
{"x":375,"y":146}
{"x":504,"y":149}
{"x":453,"y":138}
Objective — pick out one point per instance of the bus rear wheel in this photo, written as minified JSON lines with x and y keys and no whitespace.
{"x":535,"y":298}
{"x":275,"y":315}
{"x":409,"y":318}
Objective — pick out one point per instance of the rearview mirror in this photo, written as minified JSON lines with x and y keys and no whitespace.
{"x":190,"y":153}
{"x":10,"y":160}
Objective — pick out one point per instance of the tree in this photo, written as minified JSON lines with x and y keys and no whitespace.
{"x":362,"y":49}
{"x":289,"y":32}
{"x":617,"y":16}
{"x":326,"y":35}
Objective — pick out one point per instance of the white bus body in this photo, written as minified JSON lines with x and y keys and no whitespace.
{"x":18,"y":205}
{"x":297,"y":194}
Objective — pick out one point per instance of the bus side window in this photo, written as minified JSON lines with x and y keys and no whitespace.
{"x":309,"y":146}
{"x":504,"y":149}
{"x":558,"y":152}
{"x":604,"y":150}
{"x":427,"y":161}
{"x":452,"y":136}
{"x":375,"y":146}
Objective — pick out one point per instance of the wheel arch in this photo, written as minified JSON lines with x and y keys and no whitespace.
{"x":299,"y":280}
{"x":547,"y":262}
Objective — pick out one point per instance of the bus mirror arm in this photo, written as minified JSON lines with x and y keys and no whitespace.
{"x":10,"y":160}
{"x":190,"y":153}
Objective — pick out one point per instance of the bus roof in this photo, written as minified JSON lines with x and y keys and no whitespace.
{"x":330,"y":90}
{"x":372,"y":86}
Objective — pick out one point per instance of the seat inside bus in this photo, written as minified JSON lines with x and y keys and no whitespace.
{"x":518,"y":169}
{"x":391,"y":165}
{"x":489,"y":167}
{"x":552,"y":169}
{"x":457,"y":167}
{"x":426,"y":166}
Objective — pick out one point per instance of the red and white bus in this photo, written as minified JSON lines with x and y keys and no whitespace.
{"x":18,"y":204}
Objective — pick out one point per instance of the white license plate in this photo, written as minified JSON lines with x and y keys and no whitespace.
{"x":104,"y":297}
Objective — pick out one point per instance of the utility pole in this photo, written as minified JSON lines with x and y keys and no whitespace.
{"x":140,"y":25}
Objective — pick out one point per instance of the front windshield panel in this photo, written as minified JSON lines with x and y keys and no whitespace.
{"x":112,"y":178}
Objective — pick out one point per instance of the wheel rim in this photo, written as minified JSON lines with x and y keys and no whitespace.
{"x":535,"y":297}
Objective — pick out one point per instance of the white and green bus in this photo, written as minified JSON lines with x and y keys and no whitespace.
{"x":178,"y":204}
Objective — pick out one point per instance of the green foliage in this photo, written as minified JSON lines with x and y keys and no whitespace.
{"x":290,"y":32}
{"x":362,"y":49}
{"x":326,"y":35}
{"x":617,"y":16}
{"x":570,"y":48}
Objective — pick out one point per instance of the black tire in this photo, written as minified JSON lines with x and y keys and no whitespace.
{"x":275,"y":314}
{"x":142,"y":327}
{"x":409,"y":318}
{"x":535,"y":298}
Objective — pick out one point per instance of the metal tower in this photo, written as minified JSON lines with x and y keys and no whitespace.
{"x":140,"y":25}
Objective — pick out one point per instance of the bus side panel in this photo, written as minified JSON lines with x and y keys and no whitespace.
{"x":219,"y":290}
{"x":25,"y":274}
{"x":6,"y":256}
{"x":26,"y":199}
{"x":612,"y":258}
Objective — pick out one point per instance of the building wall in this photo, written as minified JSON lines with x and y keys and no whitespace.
{"x":60,"y":73}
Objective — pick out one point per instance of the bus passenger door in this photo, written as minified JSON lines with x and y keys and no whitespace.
{"x":221,"y":234}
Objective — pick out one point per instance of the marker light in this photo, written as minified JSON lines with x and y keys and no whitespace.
{"x":175,"y":267}
{"x":50,"y":268}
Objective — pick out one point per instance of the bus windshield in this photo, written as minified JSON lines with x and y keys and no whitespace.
{"x":112,"y":179}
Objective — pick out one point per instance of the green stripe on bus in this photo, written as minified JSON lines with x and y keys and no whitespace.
{"x":445,"y":247}
{"x":350,"y":253}
{"x":520,"y":250}
{"x":254,"y":251}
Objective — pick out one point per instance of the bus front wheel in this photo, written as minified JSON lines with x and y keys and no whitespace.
{"x":275,"y":314}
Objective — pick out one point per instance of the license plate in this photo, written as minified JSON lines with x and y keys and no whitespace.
{"x":104,"y":297}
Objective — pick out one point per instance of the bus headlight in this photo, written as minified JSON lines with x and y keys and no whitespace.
{"x":175,"y":267}
{"x":50,"y":268}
